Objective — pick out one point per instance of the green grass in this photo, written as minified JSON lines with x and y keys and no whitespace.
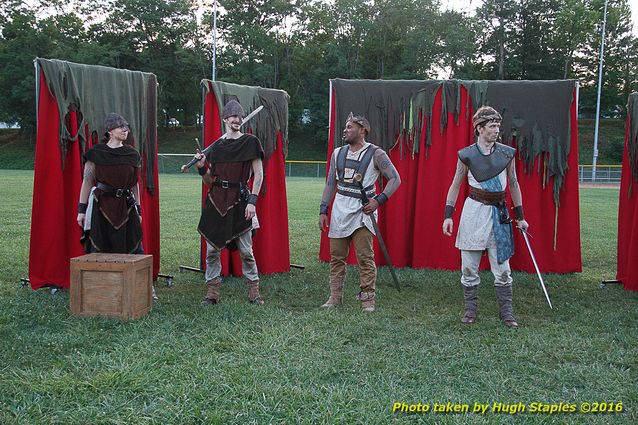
{"x":291,"y":362}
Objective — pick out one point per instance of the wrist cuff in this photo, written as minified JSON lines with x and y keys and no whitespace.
{"x":252,"y":199}
{"x":82,"y":208}
{"x":202,"y":171}
{"x":518,"y":213}
{"x":323,"y":208}
{"x":449,"y":210}
{"x":381,"y":198}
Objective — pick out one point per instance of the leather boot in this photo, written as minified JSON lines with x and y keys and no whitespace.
{"x":470,"y":295}
{"x":336,"y":295}
{"x":253,"y":292}
{"x":367,"y":301}
{"x":504,"y":297}
{"x":212,"y":295}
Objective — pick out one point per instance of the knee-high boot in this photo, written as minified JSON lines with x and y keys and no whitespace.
{"x":504,"y":297}
{"x":470,"y":295}
{"x":336,"y":295}
{"x":212,"y":295}
{"x":253,"y":292}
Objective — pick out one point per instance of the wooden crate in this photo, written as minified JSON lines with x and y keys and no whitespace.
{"x":115,"y":285}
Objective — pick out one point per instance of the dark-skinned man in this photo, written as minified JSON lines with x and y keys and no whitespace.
{"x":351,"y":221}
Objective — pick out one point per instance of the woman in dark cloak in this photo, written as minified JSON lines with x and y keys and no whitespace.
{"x":109,"y":210}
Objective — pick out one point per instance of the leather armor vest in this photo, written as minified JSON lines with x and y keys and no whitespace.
{"x":484,"y":167}
{"x":351,"y":188}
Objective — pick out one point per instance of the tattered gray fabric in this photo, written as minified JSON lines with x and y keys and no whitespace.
{"x":266,"y":124}
{"x":94,"y":91}
{"x":632,"y":141}
{"x":384,"y":103}
{"x":421,"y":109}
{"x":536,"y":113}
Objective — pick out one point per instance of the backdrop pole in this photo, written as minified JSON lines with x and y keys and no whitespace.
{"x":600,"y":79}
{"x":37,"y":89}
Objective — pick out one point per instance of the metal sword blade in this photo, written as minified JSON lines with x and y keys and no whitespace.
{"x":205,"y":151}
{"x":538,"y":272}
{"x":384,"y":250}
{"x":252,"y":114}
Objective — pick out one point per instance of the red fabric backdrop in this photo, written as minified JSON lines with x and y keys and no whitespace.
{"x":627,"y":270}
{"x":55,"y":235}
{"x":270,"y":244}
{"x":411,"y":221}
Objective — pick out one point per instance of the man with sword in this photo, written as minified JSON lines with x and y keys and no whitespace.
{"x":485,"y":225}
{"x":351,"y":221}
{"x":229,"y":209}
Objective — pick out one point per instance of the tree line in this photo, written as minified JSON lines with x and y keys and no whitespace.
{"x":298,"y":45}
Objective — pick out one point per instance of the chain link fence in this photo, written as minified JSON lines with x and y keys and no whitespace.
{"x":305,"y":168}
{"x":172,"y":163}
{"x":605,"y":174}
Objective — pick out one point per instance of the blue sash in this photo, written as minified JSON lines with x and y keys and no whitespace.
{"x":502,"y":231}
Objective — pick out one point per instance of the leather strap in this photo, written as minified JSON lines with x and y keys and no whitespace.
{"x":485,"y":197}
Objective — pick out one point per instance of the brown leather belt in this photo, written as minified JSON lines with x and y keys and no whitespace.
{"x":485,"y":197}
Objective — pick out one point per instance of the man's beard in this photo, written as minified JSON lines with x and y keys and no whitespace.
{"x":345,"y":140}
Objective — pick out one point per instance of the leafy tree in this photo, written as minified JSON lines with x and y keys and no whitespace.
{"x":458,"y":45}
{"x":299,"y":45}
{"x":575,"y":21}
{"x":159,"y":37}
{"x":619,"y":60}
{"x":497,"y":22}
{"x":25,"y":37}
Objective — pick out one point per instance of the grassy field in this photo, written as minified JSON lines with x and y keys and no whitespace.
{"x":291,"y":362}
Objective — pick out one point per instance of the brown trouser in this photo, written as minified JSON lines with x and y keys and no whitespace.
{"x":339,"y":249}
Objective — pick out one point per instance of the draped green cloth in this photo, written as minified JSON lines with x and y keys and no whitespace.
{"x":272,"y":120}
{"x":385,"y":103}
{"x":93,"y":91}
{"x":536,"y":114}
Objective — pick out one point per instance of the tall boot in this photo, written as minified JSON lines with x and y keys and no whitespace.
{"x":336,"y":295}
{"x":367,"y":301}
{"x":212,"y":295}
{"x":253,"y":292}
{"x":504,"y":297}
{"x":470,"y":295}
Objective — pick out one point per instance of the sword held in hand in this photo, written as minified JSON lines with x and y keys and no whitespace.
{"x":193,"y":161}
{"x":364,"y":201}
{"x":538,"y":272}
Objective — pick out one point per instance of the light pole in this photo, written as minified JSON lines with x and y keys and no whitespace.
{"x":600,"y":81}
{"x":214,"y":70}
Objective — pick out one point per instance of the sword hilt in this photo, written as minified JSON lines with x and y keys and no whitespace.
{"x":524,"y":231}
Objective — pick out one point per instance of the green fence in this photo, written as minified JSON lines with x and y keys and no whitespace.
{"x":172,"y":162}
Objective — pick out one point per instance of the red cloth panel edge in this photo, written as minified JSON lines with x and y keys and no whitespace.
{"x":627,"y":247}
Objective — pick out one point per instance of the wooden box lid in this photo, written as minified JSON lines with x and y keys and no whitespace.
{"x":111,"y":258}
